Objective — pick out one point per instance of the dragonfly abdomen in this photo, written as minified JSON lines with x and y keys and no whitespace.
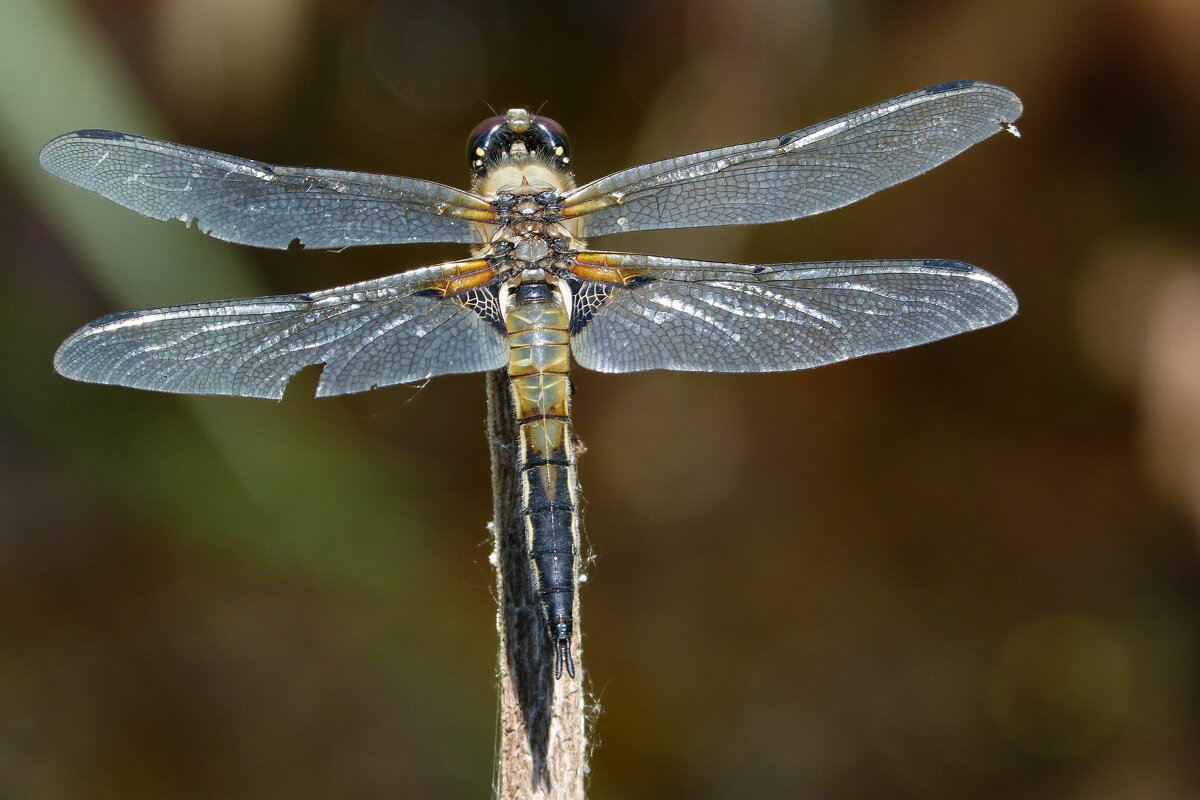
{"x":538,"y":365}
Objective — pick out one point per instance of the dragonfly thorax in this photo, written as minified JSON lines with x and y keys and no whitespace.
{"x":522,"y":174}
{"x":531,"y":249}
{"x":530,"y":225}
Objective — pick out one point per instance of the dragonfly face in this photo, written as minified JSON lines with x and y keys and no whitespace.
{"x":533,"y":295}
{"x":499,"y":138}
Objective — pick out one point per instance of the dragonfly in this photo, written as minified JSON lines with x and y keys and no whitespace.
{"x":533,"y":295}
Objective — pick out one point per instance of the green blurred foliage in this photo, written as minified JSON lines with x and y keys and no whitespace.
{"x":965,"y":570}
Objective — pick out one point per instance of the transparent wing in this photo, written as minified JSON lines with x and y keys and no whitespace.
{"x":250,"y":202}
{"x":665,"y":313}
{"x":802,"y":173}
{"x":386,"y":331}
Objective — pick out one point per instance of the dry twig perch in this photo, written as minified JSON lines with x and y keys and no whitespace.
{"x":543,"y":744}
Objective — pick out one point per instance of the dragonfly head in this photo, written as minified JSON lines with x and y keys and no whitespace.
{"x":517,"y":133}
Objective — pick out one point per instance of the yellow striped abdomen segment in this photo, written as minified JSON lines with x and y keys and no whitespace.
{"x":537,"y":367}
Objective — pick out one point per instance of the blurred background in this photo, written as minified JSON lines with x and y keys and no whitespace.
{"x":963,"y":570}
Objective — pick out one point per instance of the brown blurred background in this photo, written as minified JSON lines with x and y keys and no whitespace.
{"x":967,"y":570}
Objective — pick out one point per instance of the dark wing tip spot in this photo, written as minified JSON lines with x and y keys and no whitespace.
{"x":949,"y":86}
{"x":945,"y":263}
{"x":96,"y":133}
{"x":109,"y":319}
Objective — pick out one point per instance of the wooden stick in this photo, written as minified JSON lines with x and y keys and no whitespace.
{"x":543,"y":745}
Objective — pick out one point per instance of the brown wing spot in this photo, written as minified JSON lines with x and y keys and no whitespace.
{"x":606,"y":267}
{"x":467,"y":275}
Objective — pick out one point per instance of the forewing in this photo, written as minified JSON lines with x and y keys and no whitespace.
{"x":664,"y":313}
{"x":250,"y":202}
{"x":802,"y":173}
{"x":386,"y":331}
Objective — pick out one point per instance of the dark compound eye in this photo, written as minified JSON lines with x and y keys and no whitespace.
{"x":550,"y":126}
{"x":553,"y":140}
{"x":486,"y":138}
